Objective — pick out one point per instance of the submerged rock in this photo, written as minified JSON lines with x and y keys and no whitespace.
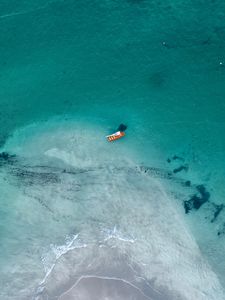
{"x":187,"y":183}
{"x":197,"y":200}
{"x":181,"y":168}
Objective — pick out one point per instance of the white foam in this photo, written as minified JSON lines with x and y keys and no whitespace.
{"x":116,"y":234}
{"x":51,"y":256}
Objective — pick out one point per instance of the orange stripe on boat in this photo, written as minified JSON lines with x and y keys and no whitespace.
{"x":115,"y":136}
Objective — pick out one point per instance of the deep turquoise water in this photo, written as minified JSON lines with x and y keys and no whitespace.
{"x":71,"y":72}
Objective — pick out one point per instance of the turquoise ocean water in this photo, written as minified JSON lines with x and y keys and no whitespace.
{"x":144,"y":216}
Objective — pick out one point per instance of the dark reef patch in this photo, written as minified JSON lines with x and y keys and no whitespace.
{"x":197,"y":200}
{"x":5,"y":157}
{"x":175,"y":157}
{"x":222,"y":231}
{"x":28,"y":177}
{"x":181,"y":168}
{"x":218,"y":209}
{"x":156,"y":172}
{"x":187,"y":183}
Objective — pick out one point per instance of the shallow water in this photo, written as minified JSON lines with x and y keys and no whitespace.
{"x":85,"y":219}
